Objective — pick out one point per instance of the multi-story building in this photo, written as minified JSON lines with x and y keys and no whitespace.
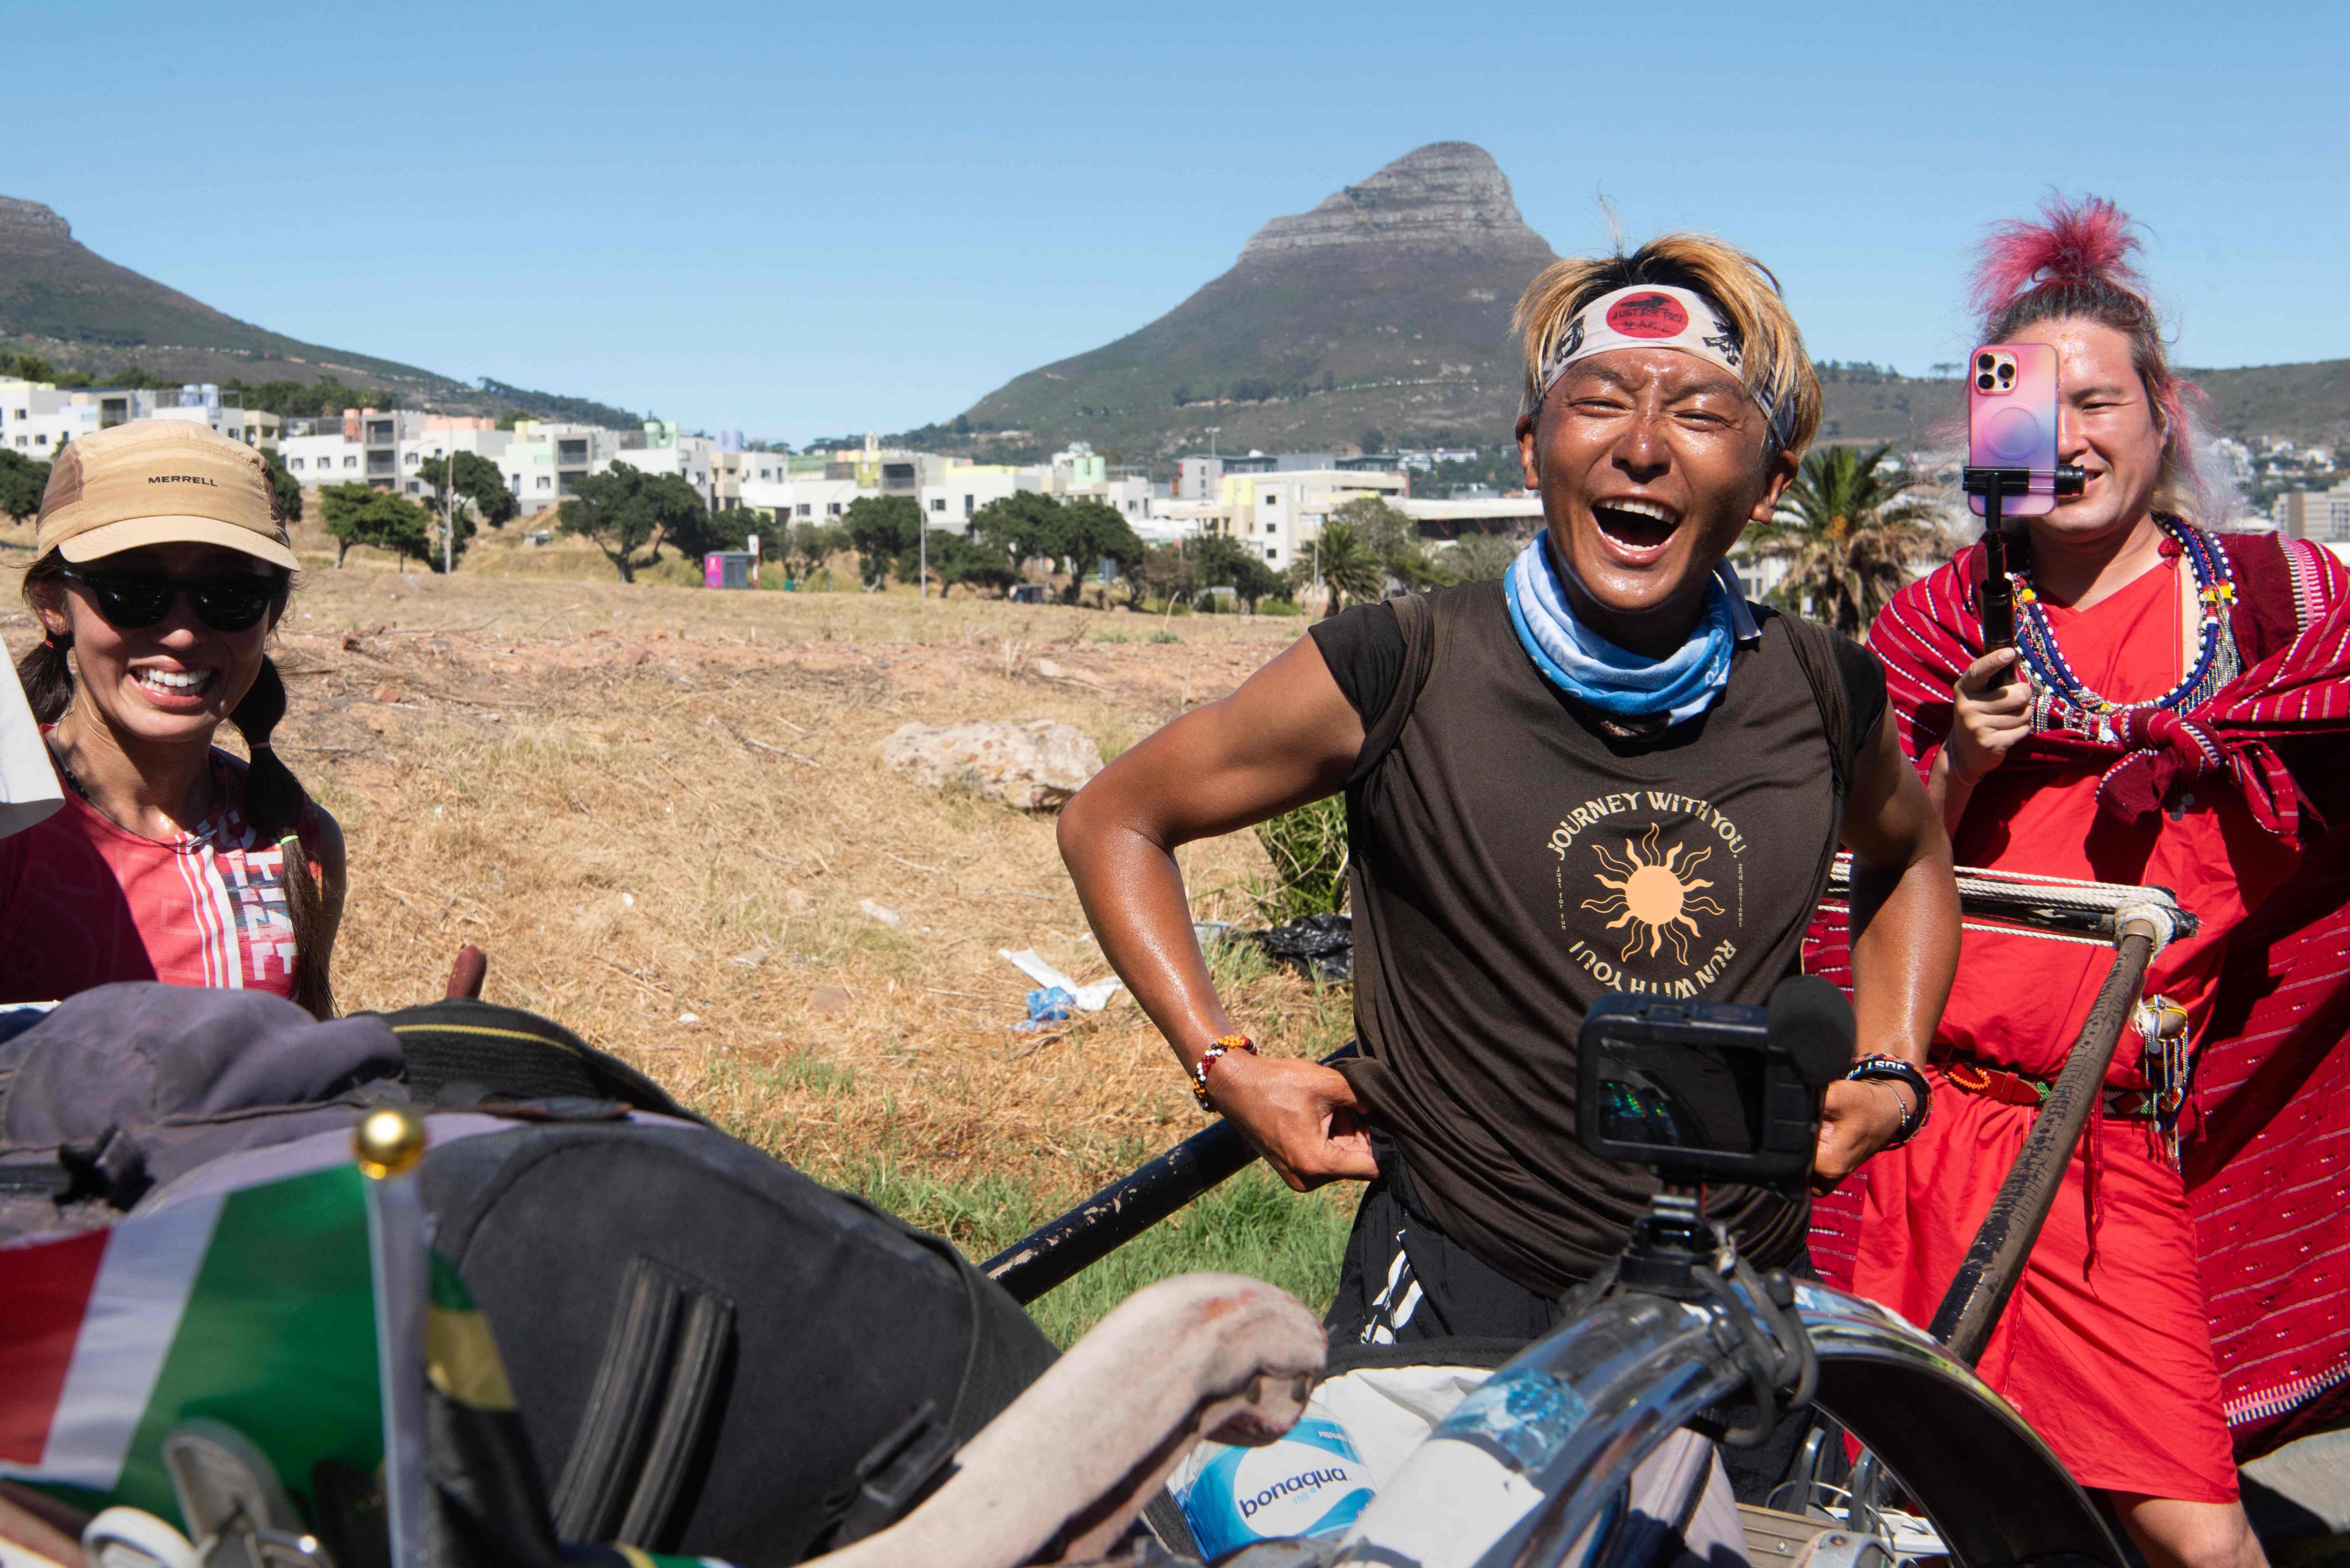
{"x":546,"y":460}
{"x":1281,"y":513}
{"x":38,"y":418}
{"x":365,"y":449}
{"x":2320,"y":515}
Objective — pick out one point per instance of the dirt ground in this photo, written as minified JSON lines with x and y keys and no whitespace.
{"x":661,"y":810}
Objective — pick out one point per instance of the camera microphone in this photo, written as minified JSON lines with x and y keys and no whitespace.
{"x":1812,"y":1023}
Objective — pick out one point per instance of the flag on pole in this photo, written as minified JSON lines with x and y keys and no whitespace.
{"x":255,"y":1306}
{"x":252,"y":1307}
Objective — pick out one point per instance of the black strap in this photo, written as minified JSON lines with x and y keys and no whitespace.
{"x":892,"y":1479}
{"x":662,"y":1362}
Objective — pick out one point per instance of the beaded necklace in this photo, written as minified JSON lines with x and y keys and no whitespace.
{"x":2063,"y":702}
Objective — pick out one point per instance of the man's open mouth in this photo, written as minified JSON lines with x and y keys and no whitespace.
{"x":1636,"y":526}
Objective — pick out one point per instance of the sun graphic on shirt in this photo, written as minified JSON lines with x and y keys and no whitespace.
{"x":1652,"y":893}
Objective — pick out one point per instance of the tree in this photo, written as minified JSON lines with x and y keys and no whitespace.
{"x":1482,"y":557}
{"x":1392,"y":535}
{"x":1023,"y":526}
{"x":1850,"y":530}
{"x":1349,"y":566}
{"x":806,"y":547}
{"x":283,"y":486}
{"x":1165,"y":573}
{"x":1223,"y":562}
{"x":1092,"y":533}
{"x":33,"y":367}
{"x":22,"y":480}
{"x":381,"y":520}
{"x":698,"y":530}
{"x":480,"y":485}
{"x":882,"y":529}
{"x":955,"y":559}
{"x":626,"y":511}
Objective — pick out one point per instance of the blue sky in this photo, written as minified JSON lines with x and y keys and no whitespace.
{"x":799,"y":221}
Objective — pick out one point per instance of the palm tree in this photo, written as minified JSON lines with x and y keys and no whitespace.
{"x":1850,"y":532}
{"x":1350,"y":568}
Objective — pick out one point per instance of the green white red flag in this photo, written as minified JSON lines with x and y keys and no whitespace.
{"x":251,"y":1307}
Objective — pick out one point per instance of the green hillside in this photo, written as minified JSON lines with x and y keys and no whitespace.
{"x":82,"y":314}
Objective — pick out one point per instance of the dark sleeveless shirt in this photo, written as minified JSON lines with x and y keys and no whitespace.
{"x":1512,"y":863}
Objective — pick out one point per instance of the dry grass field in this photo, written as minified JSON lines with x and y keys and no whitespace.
{"x":662,"y":811}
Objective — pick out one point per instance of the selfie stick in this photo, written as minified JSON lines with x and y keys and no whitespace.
{"x":1060,"y":1248}
{"x":1994,"y":1262}
{"x":1992,"y":484}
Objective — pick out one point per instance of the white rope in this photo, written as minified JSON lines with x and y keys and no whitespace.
{"x":2021,"y":901}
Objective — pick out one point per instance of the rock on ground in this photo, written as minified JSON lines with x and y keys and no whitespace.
{"x":1037,"y":766}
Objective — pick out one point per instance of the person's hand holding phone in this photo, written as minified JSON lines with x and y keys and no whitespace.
{"x":1991,"y":711}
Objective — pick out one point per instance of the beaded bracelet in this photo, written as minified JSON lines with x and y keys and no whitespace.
{"x":1210,"y":1057}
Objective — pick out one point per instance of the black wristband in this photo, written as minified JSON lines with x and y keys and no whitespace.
{"x":1893,"y":1069}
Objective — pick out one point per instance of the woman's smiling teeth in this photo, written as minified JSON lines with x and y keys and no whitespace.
{"x":175,"y":682}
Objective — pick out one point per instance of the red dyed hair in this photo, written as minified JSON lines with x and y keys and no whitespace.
{"x":2075,"y":263}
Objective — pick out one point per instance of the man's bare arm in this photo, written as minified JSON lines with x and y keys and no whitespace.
{"x":1286,"y":737}
{"x":1905,"y":945}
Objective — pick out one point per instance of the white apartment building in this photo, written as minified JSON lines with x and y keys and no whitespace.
{"x":1282,"y":512}
{"x":803,"y":498}
{"x":951,"y":494}
{"x":544,"y":460}
{"x":364,"y":450}
{"x":38,"y":418}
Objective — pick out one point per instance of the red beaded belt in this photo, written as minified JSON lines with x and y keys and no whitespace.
{"x":2016,"y":1089}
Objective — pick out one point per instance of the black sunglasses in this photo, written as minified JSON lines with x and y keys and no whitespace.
{"x":131,"y":600}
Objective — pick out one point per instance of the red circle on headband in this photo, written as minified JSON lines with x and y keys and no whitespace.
{"x":1649,"y":316}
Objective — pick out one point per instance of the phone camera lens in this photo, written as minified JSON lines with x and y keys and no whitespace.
{"x":1984,"y":382}
{"x":1986,"y":362}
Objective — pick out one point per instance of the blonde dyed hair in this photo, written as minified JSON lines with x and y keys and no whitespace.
{"x":1774,"y":362}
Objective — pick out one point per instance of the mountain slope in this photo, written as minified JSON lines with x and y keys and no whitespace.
{"x":65,"y":303}
{"x":1386,"y":309}
{"x":54,"y":287}
{"x":1381,"y":317}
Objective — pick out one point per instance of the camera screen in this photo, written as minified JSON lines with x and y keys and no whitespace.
{"x":1681,"y":1097}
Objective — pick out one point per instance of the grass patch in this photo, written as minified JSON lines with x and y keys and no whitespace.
{"x":1251,"y":1225}
{"x":1164,"y":637}
{"x":1308,"y":850}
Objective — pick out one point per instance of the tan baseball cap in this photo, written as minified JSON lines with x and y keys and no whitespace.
{"x":159,"y":481}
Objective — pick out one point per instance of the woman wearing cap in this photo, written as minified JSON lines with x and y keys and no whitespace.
{"x":1608,"y":772}
{"x":161,"y":567}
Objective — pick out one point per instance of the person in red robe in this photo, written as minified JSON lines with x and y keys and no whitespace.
{"x":2170,"y":716}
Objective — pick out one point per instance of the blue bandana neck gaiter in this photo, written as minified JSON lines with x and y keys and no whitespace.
{"x":1594,"y":670}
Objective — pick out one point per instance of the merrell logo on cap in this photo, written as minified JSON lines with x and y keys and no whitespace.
{"x":181,"y":479}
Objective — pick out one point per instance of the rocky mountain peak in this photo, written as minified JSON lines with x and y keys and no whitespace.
{"x":31,"y":218}
{"x":1447,"y":195}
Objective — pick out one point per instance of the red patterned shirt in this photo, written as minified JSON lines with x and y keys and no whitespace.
{"x":85,"y":903}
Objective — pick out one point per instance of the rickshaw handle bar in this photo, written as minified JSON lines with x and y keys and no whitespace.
{"x":1062,"y":1248}
{"x":1994,"y":1262}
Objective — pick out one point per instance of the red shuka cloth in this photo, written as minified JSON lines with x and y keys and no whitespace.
{"x":2122,"y":1369}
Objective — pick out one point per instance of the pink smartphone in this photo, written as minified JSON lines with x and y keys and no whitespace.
{"x":2011,"y":422}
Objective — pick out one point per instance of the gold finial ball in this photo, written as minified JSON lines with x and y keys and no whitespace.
{"x":389,"y":1142}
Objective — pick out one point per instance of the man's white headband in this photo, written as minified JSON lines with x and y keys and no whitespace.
{"x":1656,"y":315}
